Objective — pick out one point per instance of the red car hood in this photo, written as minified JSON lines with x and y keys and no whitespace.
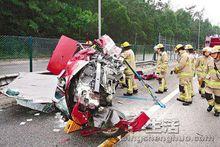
{"x":63,"y":52}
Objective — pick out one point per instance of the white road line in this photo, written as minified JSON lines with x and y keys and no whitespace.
{"x":165,"y":100}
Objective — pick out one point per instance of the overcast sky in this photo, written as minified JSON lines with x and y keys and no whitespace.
{"x":212,"y":8}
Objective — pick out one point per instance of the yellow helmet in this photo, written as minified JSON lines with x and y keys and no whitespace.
{"x":188,"y":47}
{"x":178,"y":47}
{"x":216,"y":49}
{"x":125,"y":44}
{"x":89,"y":42}
{"x":207,"y":49}
{"x":159,"y":46}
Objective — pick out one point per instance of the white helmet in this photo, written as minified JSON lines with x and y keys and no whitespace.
{"x":207,"y":49}
{"x":155,"y":48}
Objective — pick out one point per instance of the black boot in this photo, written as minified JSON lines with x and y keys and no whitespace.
{"x":203,"y":95}
{"x":209,"y":108}
{"x":165,"y":90}
{"x":187,"y":103}
{"x":216,"y":114}
{"x":127,"y":94}
{"x":159,"y":92}
{"x":135,"y":91}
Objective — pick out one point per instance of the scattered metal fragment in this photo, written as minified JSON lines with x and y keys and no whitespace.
{"x":36,"y":114}
{"x":120,"y":102}
{"x":56,"y":130}
{"x":29,"y":119}
{"x":59,"y":123}
{"x":22,"y":123}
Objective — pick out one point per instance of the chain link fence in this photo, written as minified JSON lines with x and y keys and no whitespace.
{"x":22,"y":54}
{"x":170,"y":44}
{"x":18,"y":47}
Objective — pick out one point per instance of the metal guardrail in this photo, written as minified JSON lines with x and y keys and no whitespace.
{"x":148,"y":62}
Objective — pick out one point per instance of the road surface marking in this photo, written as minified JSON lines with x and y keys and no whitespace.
{"x":165,"y":100}
{"x":149,"y":112}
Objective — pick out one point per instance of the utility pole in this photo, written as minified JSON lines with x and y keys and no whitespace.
{"x":99,"y":18}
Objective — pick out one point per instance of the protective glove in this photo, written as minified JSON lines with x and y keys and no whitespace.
{"x":215,"y":68}
{"x":207,"y":77}
{"x":176,"y":71}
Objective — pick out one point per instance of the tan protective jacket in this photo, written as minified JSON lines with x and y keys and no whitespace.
{"x":184,"y":66}
{"x":202,"y":66}
{"x":213,"y":76}
{"x":162,"y":62}
{"x":193,"y":62}
{"x":129,"y":56}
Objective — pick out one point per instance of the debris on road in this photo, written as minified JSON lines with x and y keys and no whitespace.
{"x":120,"y":102}
{"x":36,"y":114}
{"x":59,"y":122}
{"x":12,"y":92}
{"x":33,"y":90}
{"x":56,"y":130}
{"x":22,"y":123}
{"x":29,"y":120}
{"x":65,"y":140}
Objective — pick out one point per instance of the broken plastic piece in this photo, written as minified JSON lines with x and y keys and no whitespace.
{"x":71,"y":126}
{"x":109,"y":142}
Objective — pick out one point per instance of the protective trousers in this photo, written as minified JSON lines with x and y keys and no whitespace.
{"x":185,"y":89}
{"x":162,"y":82}
{"x":213,"y":101}
{"x":191,"y":87}
{"x":122,"y":80}
{"x":131,"y":84}
{"x":201,"y":85}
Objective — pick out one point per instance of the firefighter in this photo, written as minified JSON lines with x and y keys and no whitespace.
{"x":202,"y":69}
{"x":190,"y":51}
{"x":212,"y":89}
{"x":184,"y":71}
{"x":161,"y":68}
{"x":128,"y":55}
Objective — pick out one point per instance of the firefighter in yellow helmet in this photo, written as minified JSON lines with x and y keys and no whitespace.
{"x":213,"y":82}
{"x":184,"y":71}
{"x":128,"y":55}
{"x":161,"y":68}
{"x":202,"y":69}
{"x":191,"y":52}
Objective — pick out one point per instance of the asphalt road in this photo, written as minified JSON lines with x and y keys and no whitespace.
{"x":179,"y":125}
{"x":11,"y":67}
